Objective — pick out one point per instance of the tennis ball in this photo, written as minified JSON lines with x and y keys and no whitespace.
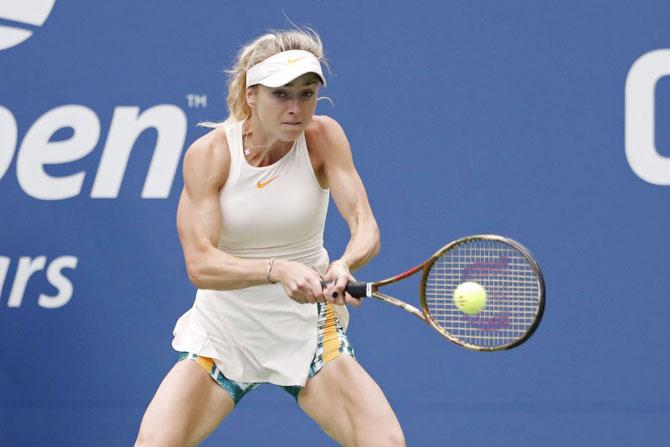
{"x":470,"y":297}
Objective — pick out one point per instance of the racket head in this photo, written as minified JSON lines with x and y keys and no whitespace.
{"x":514,"y":285}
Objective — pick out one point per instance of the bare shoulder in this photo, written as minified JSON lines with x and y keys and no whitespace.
{"x":326,"y":138}
{"x":324,"y":130}
{"x":207,"y":161}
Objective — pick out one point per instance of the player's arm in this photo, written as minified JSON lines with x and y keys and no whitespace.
{"x":205,"y":170}
{"x":339,"y":173}
{"x":206,"y":166}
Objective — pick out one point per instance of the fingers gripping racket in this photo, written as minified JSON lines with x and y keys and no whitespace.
{"x":482,"y":292}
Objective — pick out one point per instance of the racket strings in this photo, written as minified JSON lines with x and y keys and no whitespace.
{"x":512,"y":290}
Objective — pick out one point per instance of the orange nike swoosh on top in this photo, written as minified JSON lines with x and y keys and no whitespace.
{"x":262,"y":184}
{"x":292,"y":61}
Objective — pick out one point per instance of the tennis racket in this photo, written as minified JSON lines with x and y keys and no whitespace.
{"x":513,"y":288}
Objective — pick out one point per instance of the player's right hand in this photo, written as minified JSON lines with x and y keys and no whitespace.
{"x":301,"y":283}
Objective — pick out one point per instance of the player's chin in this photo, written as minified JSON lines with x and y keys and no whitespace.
{"x":290,"y":131}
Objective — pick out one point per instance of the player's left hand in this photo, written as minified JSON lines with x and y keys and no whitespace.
{"x":337,"y":277}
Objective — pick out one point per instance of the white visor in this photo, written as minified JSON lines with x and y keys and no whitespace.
{"x":282,"y":68}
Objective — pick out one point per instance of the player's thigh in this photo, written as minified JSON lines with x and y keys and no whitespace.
{"x":187,"y":407}
{"x":349,"y":405}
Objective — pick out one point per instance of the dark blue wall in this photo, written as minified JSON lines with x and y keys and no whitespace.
{"x":464,"y":117}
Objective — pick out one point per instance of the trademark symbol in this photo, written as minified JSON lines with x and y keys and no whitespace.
{"x":196,"y":101}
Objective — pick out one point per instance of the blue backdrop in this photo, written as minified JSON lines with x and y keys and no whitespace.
{"x":513,"y":117}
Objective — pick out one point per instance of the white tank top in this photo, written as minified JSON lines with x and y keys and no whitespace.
{"x":258,"y":334}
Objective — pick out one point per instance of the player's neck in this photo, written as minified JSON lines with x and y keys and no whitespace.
{"x":260,"y":147}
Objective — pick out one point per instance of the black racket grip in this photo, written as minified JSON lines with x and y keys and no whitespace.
{"x":357,"y":289}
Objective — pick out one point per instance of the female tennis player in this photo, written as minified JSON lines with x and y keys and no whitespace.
{"x":250,"y":220}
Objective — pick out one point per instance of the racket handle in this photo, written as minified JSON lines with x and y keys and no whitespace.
{"x":357,"y":289}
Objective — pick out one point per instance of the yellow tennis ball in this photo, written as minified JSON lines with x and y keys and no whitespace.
{"x":470,"y":297}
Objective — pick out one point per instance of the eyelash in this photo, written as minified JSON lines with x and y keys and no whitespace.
{"x":280,"y":94}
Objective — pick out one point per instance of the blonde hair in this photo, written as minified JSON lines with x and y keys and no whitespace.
{"x":257,"y":51}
